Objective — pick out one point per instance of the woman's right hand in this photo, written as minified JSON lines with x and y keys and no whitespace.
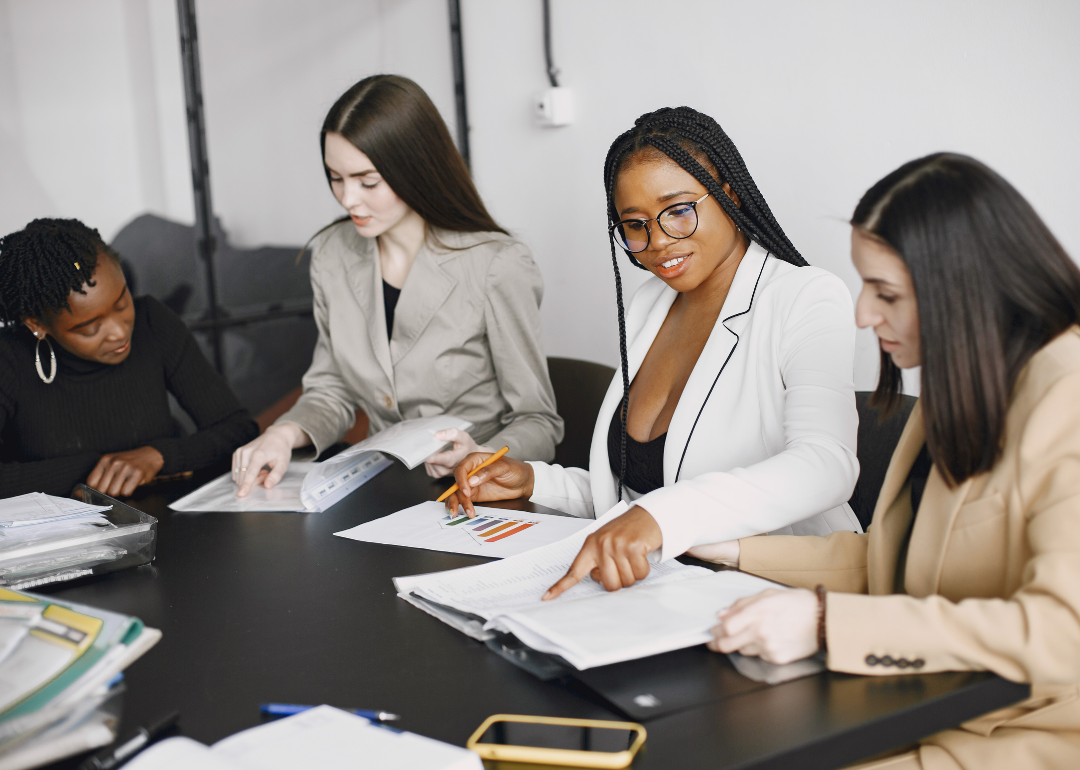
{"x":504,"y":479}
{"x":266,"y":458}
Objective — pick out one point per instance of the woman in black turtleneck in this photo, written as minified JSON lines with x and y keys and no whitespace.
{"x":85,"y":372}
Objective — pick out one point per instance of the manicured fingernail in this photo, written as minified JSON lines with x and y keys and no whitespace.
{"x":474,"y":482}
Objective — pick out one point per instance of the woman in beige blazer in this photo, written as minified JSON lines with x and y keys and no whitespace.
{"x":424,"y":305}
{"x":972,"y":561}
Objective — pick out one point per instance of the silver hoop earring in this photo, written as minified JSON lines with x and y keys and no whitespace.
{"x":37,"y":361}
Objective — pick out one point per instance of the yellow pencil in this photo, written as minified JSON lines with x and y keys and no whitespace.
{"x":484,"y":464}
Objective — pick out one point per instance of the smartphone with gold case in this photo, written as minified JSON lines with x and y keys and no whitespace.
{"x":557,"y":741}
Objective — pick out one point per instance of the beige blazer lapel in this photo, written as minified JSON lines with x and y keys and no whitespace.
{"x":365,"y":280}
{"x":892,"y":513}
{"x":426,"y":289}
{"x":930,"y":537}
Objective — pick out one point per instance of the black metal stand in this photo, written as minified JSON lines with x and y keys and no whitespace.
{"x":200,"y":168}
{"x":458,"y":57}
{"x":216,"y":320}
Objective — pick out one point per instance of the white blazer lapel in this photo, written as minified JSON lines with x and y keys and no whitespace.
{"x":603,"y":482}
{"x":713,"y":359}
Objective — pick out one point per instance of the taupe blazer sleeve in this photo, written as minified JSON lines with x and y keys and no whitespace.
{"x":327,"y":408}
{"x":515,"y":288}
{"x":1030,"y":634}
{"x":466,"y":340}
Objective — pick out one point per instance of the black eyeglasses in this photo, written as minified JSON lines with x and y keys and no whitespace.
{"x":679,"y":221}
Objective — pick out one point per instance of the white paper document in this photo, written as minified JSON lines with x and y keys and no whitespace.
{"x":674,"y":607}
{"x":310,"y":486}
{"x":507,"y":532}
{"x":322,"y":737}
{"x":220,"y":494}
{"x":35,"y":508}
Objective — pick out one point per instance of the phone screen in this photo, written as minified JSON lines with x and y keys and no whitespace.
{"x":568,"y":737}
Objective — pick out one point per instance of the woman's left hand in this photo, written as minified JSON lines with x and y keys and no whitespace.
{"x":121,"y":472}
{"x":443,"y":463}
{"x":778,"y":625}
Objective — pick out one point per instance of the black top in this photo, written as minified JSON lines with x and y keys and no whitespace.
{"x":920,"y":472}
{"x":644,"y":461}
{"x":390,"y":296}
{"x":51,"y":436}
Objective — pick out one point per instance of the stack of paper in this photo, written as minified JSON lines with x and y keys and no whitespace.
{"x":322,"y":737}
{"x":36,"y":509}
{"x":674,"y":607}
{"x":41,"y":534}
{"x":56,"y":662}
{"x":317,"y":486}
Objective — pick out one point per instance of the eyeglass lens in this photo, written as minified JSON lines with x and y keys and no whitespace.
{"x":678,"y":221}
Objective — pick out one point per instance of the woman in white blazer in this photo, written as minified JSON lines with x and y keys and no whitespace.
{"x":736,"y":370}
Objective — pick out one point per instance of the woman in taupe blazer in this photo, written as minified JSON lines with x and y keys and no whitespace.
{"x":972,"y":561}
{"x":424,"y":305}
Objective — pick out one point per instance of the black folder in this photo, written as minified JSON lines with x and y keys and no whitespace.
{"x":640,"y":689}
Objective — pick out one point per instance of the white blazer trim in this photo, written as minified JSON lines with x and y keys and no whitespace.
{"x":763,"y":437}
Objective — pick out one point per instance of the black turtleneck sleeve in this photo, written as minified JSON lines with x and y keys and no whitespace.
{"x":52,"y":435}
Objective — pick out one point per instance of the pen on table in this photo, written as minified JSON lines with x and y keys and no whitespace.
{"x":484,"y":464}
{"x":145,"y":737}
{"x":288,"y":709}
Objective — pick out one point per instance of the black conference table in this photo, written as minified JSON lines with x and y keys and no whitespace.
{"x":271,"y":607}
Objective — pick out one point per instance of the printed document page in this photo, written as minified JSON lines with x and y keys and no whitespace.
{"x":518,"y":582}
{"x":35,"y":508}
{"x":427,"y":526}
{"x":674,"y":607}
{"x":633,"y":622}
{"x":411,"y":441}
{"x":305,"y":485}
{"x":220,"y":494}
{"x":322,"y":737}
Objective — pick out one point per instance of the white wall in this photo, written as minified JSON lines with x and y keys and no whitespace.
{"x":271,"y":72}
{"x":822,"y":99}
{"x":89,"y":107}
{"x":92,"y":118}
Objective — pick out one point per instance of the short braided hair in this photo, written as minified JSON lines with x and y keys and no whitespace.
{"x":698,"y":144}
{"x":42,"y":264}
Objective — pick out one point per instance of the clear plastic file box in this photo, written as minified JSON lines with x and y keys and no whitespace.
{"x":129,"y":542}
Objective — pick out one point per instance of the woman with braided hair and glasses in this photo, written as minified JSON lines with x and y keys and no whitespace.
{"x":86,"y":369}
{"x":734,"y":410}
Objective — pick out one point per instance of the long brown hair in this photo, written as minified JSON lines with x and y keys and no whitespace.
{"x":390,"y":119}
{"x":992,"y":285}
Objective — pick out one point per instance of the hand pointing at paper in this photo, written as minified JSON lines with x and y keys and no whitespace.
{"x":616,"y":555}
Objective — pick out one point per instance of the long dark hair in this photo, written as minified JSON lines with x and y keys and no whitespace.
{"x":992,"y":285}
{"x":698,"y":144}
{"x":390,"y":119}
